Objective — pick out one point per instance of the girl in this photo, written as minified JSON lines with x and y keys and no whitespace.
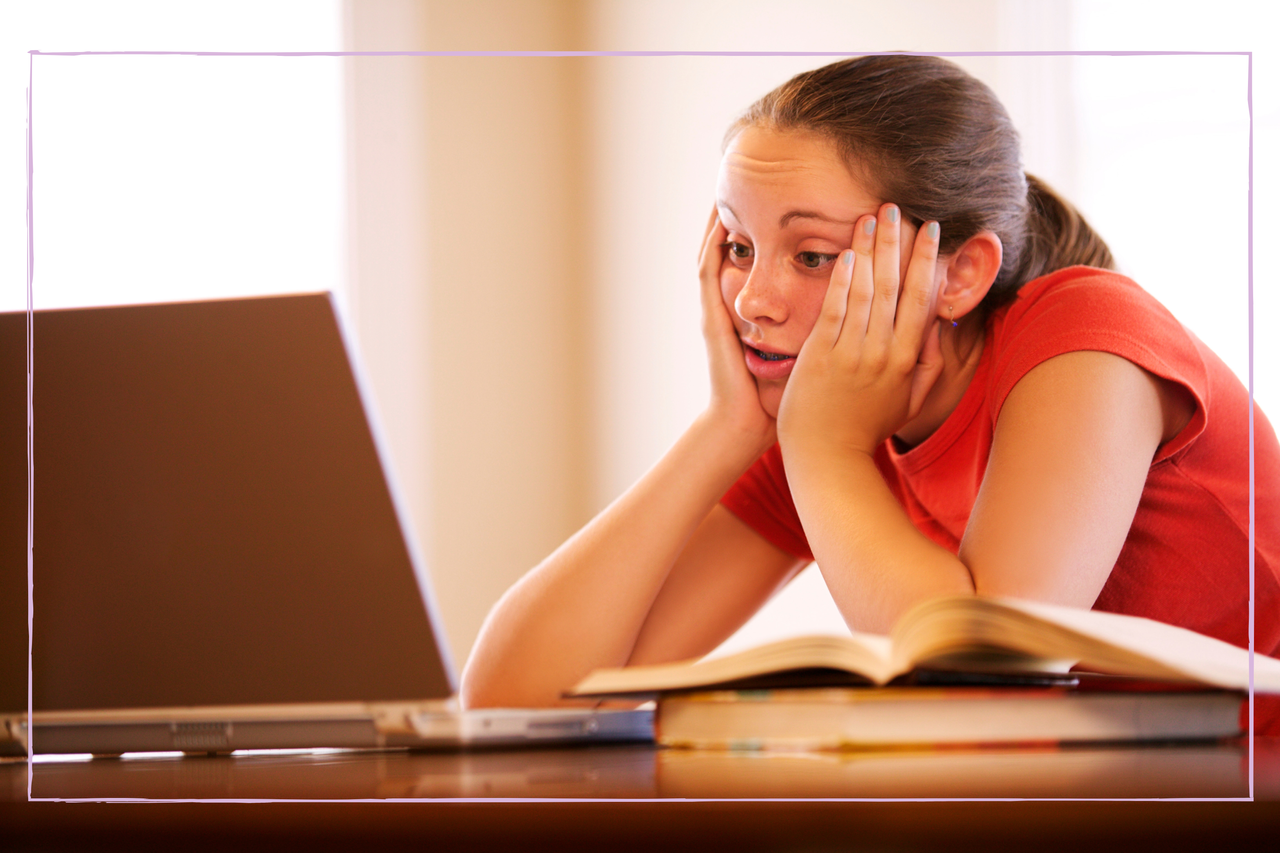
{"x":924,"y":377}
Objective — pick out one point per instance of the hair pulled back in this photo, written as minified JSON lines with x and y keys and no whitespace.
{"x":920,"y":132}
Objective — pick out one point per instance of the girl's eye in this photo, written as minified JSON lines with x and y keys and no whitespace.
{"x":739,"y":251}
{"x":815,"y":260}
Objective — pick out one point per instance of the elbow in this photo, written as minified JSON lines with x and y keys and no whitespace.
{"x":499,"y":687}
{"x":487,"y":680}
{"x":483,"y":689}
{"x":473,"y":693}
{"x":470,"y":693}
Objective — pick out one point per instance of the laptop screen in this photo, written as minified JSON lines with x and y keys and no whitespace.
{"x":212,"y":520}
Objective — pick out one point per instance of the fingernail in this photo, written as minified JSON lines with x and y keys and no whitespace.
{"x":870,"y":227}
{"x":846,"y":257}
{"x":933,"y":231}
{"x":892,"y":215}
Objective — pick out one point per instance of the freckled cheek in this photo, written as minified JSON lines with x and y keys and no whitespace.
{"x":808,"y":308}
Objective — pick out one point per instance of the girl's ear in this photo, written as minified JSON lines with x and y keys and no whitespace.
{"x":968,"y":274}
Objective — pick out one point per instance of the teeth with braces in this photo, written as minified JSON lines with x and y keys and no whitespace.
{"x":770,"y":356}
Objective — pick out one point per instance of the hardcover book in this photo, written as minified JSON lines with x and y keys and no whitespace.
{"x":872,"y":718}
{"x":961,"y":671}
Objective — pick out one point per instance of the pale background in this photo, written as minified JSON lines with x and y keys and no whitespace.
{"x":513,"y":239}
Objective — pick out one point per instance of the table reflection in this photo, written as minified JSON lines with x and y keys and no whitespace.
{"x":644,"y":772}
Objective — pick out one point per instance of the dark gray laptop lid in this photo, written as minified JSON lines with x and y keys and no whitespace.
{"x":213,"y":524}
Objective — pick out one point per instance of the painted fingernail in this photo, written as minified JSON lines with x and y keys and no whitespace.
{"x":846,"y":257}
{"x":933,"y":230}
{"x":870,"y":227}
{"x":892,"y":215}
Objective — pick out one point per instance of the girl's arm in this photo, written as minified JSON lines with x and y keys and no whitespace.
{"x":1068,"y":463}
{"x":864,"y":371}
{"x":663,"y":573}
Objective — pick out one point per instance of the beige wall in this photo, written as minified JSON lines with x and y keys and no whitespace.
{"x":466,"y":219}
{"x":524,"y":231}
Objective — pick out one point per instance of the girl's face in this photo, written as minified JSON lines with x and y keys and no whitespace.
{"x":789,"y":204}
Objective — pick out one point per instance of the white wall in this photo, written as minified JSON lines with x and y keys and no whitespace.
{"x":163,"y":177}
{"x":1165,"y":177}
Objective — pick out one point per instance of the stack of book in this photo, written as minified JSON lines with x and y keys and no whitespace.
{"x":956,"y":671}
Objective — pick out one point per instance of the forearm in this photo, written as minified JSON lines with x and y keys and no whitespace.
{"x":876,"y":564}
{"x":583,"y":607}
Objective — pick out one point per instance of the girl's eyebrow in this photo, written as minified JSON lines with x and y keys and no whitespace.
{"x":792,"y":215}
{"x":810,"y":214}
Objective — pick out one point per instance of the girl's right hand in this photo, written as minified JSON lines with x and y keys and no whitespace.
{"x":735,"y":399}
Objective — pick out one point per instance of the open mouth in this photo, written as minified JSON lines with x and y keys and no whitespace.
{"x":770,"y":356}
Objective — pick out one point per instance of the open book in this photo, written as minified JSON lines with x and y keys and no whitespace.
{"x":972,"y":634}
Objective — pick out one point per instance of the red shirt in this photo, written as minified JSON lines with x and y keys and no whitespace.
{"x":1186,"y":559}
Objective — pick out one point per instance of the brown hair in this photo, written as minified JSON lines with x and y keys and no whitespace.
{"x":922,"y":133}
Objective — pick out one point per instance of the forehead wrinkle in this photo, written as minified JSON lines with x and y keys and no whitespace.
{"x":775,"y":172}
{"x":738,"y":159}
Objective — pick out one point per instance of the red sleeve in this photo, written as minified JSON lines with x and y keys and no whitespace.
{"x":762,"y":499}
{"x":1079,"y":308}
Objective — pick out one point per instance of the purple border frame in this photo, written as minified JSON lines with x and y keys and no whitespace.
{"x":634,"y":53}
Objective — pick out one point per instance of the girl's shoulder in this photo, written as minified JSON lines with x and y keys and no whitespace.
{"x":1091,"y":293}
{"x":1084,"y":308}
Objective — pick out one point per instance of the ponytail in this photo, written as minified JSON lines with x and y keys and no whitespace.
{"x":1056,"y":236}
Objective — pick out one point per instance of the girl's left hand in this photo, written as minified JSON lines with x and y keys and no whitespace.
{"x":874,"y":353}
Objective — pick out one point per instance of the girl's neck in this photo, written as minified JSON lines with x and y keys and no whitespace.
{"x":961,"y":353}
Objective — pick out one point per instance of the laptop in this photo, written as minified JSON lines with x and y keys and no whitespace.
{"x":219,"y":558}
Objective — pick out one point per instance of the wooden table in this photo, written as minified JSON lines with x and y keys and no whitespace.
{"x":639,"y":797}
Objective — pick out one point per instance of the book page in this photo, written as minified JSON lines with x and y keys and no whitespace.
{"x":1199,"y":657}
{"x":861,"y":654}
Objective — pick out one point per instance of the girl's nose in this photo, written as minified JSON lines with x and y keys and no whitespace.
{"x":762,"y":300}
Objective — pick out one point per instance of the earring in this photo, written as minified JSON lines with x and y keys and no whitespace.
{"x":952,"y":312}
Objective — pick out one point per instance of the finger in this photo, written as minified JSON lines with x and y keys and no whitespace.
{"x":916,"y":308}
{"x":928,"y":369}
{"x":862,"y":285}
{"x":834,"y":305}
{"x":707,"y":235}
{"x":711,"y":224}
{"x":887,"y":259}
{"x":710,"y":260}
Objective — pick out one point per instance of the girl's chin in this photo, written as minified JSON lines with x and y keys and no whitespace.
{"x":770,"y":397}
